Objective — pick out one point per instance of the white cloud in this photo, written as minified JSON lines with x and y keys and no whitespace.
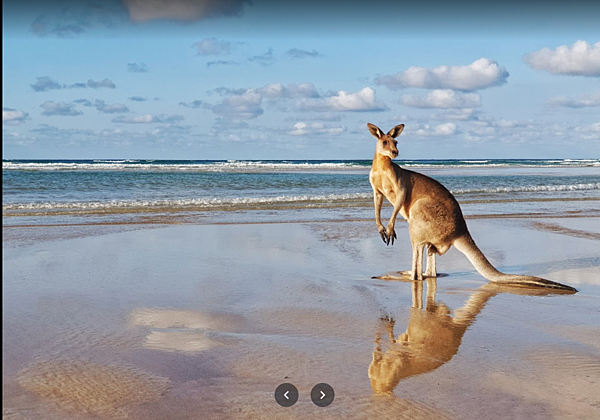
{"x":480,"y":74}
{"x":593,"y":99}
{"x":589,"y":132}
{"x":148,"y":119}
{"x":579,"y":59}
{"x":13,"y":115}
{"x":242,"y":107}
{"x":212,"y":46}
{"x":184,"y":10}
{"x":106,"y":83}
{"x":264,"y":59}
{"x":246,"y":104}
{"x":105,"y":108}
{"x":277,"y":90}
{"x":194,"y":104}
{"x":363,"y":100}
{"x":137,"y":68}
{"x":442,"y":99}
{"x":45,"y":83}
{"x":316,"y":128}
{"x":446,"y":129}
{"x":50,"y":108}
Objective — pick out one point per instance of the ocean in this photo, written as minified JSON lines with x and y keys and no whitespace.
{"x":237,"y":191}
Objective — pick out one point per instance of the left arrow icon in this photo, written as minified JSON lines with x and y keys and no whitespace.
{"x":286,"y":395}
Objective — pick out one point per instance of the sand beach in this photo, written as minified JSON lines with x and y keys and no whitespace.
{"x":193,"y":321}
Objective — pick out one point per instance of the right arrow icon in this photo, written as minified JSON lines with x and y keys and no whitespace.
{"x":322,"y":395}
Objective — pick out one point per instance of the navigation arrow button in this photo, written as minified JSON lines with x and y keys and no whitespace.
{"x":322,"y":395}
{"x":286,"y":395}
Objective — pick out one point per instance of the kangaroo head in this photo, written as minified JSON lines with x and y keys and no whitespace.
{"x":386,"y":143}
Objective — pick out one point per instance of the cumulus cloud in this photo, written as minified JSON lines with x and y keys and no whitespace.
{"x":445,"y":98}
{"x":263,"y":59}
{"x":298,"y":53}
{"x":277,"y":90}
{"x":106,"y":83}
{"x":212,"y":46}
{"x":241,"y":107}
{"x":148,"y":119}
{"x":225,"y":91}
{"x":194,"y":104}
{"x":579,"y":59}
{"x":245,"y":104}
{"x":10,"y":115}
{"x":84,"y":102}
{"x":137,"y":68}
{"x":363,"y":100}
{"x":183,"y":10}
{"x":316,"y":128}
{"x":105,"y":108}
{"x":45,"y":83}
{"x":589,"y":132}
{"x":137,"y":98}
{"x":480,"y":74}
{"x":50,"y":108}
{"x":582,"y":101}
{"x":102,"y":106}
{"x":446,"y":129}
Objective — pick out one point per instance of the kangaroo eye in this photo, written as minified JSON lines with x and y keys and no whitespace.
{"x":385,"y":143}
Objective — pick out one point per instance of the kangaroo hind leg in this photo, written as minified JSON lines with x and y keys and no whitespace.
{"x":417,"y":263}
{"x":431,"y":269}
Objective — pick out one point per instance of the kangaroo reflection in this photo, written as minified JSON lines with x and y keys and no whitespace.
{"x":431,"y":339}
{"x":433,"y":336}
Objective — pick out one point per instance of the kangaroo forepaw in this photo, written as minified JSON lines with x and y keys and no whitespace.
{"x":391,"y":235}
{"x":384,"y":236}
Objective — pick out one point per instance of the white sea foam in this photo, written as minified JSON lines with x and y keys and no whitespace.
{"x":202,"y":203}
{"x":132,"y":165}
{"x":136,"y":166}
{"x":536,"y":188}
{"x":249,"y":202}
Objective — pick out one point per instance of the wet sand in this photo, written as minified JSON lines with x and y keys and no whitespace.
{"x":204,"y":322}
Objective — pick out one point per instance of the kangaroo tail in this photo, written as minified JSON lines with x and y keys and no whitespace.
{"x":466,"y":245}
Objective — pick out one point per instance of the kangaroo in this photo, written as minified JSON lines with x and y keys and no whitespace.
{"x":431,"y":339}
{"x":434,"y":217}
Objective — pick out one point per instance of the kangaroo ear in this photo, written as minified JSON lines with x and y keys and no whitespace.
{"x":395,"y":132}
{"x":375,"y":130}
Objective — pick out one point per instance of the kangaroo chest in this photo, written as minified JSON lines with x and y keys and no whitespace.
{"x":389,"y":186}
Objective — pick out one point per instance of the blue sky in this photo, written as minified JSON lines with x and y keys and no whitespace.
{"x":214,"y":79}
